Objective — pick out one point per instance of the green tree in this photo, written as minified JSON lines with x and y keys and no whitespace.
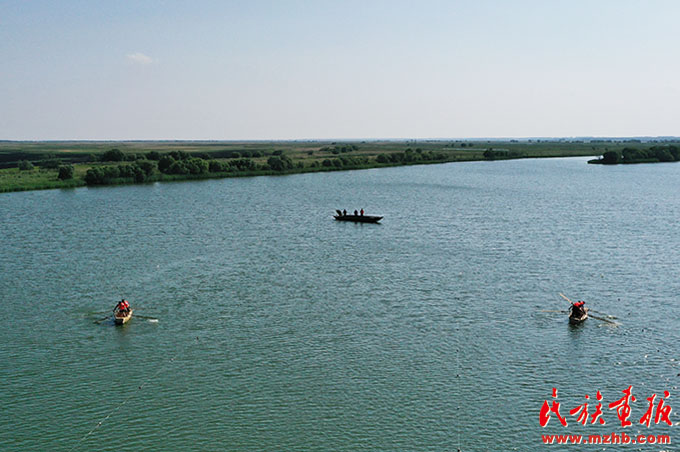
{"x":66,"y":172}
{"x":610,"y":158}
{"x":147,"y":166}
{"x":164,"y":163}
{"x":275,"y":163}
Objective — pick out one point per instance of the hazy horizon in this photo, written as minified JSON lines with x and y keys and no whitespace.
{"x":350,"y":139}
{"x":297,"y":70}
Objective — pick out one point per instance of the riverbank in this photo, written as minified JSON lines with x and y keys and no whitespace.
{"x":48,"y":165}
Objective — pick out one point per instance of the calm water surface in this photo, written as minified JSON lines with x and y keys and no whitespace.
{"x":281,"y":329}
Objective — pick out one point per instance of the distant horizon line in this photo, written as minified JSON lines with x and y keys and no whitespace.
{"x":313,"y":140}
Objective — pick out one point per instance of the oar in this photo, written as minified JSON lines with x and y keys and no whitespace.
{"x":565,"y":297}
{"x":603,"y":313}
{"x":603,"y":319}
{"x":145,"y":317}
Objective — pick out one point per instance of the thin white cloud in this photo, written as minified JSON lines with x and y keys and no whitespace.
{"x":139,"y":58}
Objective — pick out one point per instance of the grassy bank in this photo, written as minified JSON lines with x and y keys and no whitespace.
{"x":110,"y":163}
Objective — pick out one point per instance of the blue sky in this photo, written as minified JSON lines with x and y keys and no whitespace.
{"x":337,"y":69}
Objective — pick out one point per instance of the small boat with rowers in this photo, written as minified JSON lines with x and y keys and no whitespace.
{"x":358,"y":217}
{"x":122,"y":313}
{"x":578,"y":312}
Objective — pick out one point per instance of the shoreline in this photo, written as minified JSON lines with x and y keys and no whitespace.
{"x":28,"y":166}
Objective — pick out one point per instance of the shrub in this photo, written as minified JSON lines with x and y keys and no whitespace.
{"x":66,"y":172}
{"x":147,"y":166}
{"x":25,"y":165}
{"x":99,"y":175}
{"x":50,"y":163}
{"x":179,"y":155}
{"x":196,"y":165}
{"x":178,"y":167}
{"x":164,"y":163}
{"x":153,"y":155}
{"x":280,"y":163}
{"x":114,"y":155}
{"x":216,"y":166}
{"x":610,"y":158}
{"x":243,"y":165}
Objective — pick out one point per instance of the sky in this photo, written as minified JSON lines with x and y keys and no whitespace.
{"x":370,"y":69}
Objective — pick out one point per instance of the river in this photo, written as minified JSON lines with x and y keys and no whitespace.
{"x":274,"y":327}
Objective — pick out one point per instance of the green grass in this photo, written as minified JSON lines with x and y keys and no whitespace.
{"x":11,"y":179}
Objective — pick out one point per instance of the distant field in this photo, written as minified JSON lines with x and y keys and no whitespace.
{"x":250,"y":158}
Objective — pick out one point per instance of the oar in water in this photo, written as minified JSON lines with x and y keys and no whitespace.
{"x":145,"y":317}
{"x":98,"y":321}
{"x":604,"y":320}
{"x":603,"y":313}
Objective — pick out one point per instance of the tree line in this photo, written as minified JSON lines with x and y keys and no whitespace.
{"x":411,"y":156}
{"x":654,"y":154}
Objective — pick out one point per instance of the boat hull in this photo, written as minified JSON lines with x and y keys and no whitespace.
{"x":358,"y":218}
{"x":119,"y":318}
{"x":574,"y":320}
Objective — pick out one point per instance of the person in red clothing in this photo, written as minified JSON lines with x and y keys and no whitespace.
{"x":122,"y":306}
{"x":578,"y":308}
{"x":361,"y":212}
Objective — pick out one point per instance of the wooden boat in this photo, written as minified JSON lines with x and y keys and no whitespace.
{"x":120,"y":318}
{"x":576,"y":318}
{"x":358,"y":218}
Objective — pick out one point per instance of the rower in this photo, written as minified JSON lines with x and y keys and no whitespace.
{"x":122,"y":306}
{"x":579,"y":307}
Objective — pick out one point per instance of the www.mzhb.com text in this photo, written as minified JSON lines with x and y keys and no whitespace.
{"x":613,"y":438}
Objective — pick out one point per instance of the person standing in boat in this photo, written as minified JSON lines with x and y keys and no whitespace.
{"x":362,"y":212}
{"x":356,"y":213}
{"x":344,"y":212}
